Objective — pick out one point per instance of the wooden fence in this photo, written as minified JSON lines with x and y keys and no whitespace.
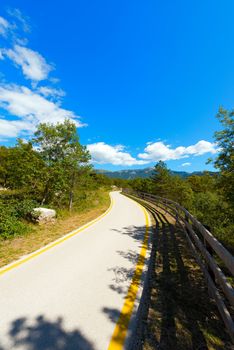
{"x":208,"y":252}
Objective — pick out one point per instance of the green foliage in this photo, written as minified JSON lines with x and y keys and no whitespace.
{"x":10,"y":226}
{"x":10,"y":223}
{"x":202,"y":183}
{"x":225,"y":159}
{"x":164,"y":184}
{"x":21,"y":167}
{"x":65,"y":158}
{"x":143,"y":185}
{"x":120,"y":183}
{"x":52,"y":169}
{"x":161,"y":179}
{"x":24,"y":208}
{"x":225,"y":140}
{"x":181,"y":192}
{"x":203,"y":196}
{"x":95,"y":180}
{"x":213,"y":210}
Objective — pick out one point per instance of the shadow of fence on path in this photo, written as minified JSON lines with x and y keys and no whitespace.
{"x":181,"y":315}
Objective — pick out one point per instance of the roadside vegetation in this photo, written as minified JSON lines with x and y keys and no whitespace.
{"x":210,"y":198}
{"x":37,"y":236}
{"x":51,"y":170}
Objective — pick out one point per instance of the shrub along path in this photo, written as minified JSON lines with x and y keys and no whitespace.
{"x":38,"y":236}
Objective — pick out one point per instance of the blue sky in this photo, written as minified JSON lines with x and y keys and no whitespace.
{"x":142,"y":80}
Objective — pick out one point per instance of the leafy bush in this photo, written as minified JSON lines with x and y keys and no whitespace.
{"x":25,"y":207}
{"x":10,"y":225}
{"x":211,"y":210}
{"x":11,"y":213}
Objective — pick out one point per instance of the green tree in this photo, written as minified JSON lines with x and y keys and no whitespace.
{"x":161,"y":179}
{"x":170,"y":186}
{"x":225,"y":159}
{"x":4,"y":165}
{"x":143,"y":185}
{"x":21,"y":167}
{"x":64,"y":156}
{"x":202,"y":183}
{"x":97,"y":180}
{"x":180,"y":191}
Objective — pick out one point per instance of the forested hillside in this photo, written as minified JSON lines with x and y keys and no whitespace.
{"x":145,"y":173}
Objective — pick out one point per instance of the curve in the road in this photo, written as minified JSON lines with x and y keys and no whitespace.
{"x":85,"y":291}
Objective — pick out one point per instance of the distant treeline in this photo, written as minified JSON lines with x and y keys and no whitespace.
{"x":146,"y":173}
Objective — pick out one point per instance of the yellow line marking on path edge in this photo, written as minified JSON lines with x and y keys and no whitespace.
{"x":42,"y":250}
{"x":121,"y":328}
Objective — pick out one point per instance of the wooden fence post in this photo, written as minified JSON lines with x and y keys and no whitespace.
{"x":210,"y":250}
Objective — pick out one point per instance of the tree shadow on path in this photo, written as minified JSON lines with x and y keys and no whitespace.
{"x":43,"y":334}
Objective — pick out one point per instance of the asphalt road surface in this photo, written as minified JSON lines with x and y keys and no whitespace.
{"x":82,"y":292}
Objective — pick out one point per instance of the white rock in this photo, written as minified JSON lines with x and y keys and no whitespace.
{"x":44,"y":215}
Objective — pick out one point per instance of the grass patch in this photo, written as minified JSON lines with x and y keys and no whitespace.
{"x":37,"y":236}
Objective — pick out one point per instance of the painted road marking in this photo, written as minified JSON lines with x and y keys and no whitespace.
{"x":40,"y":251}
{"x":121,"y":328}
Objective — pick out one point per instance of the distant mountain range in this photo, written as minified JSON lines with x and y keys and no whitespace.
{"x":144,"y":173}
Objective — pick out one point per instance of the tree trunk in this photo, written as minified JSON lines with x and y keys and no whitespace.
{"x":70,"y":200}
{"x":5,"y":180}
{"x":71,"y":191}
{"x":45,"y":193}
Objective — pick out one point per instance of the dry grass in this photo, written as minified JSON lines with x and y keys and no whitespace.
{"x":14,"y":248}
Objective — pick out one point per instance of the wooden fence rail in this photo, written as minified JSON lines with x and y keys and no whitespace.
{"x":204,"y":246}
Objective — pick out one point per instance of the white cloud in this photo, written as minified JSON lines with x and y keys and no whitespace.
{"x":202,"y":147}
{"x":12,"y":128}
{"x":9,"y":30}
{"x":51,"y":92}
{"x":54,"y":80}
{"x":159,"y":151}
{"x":24,"y":20}
{"x":4,"y":26}
{"x":103,"y":153}
{"x":28,"y":106}
{"x":31,"y":108}
{"x":33,"y":65}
